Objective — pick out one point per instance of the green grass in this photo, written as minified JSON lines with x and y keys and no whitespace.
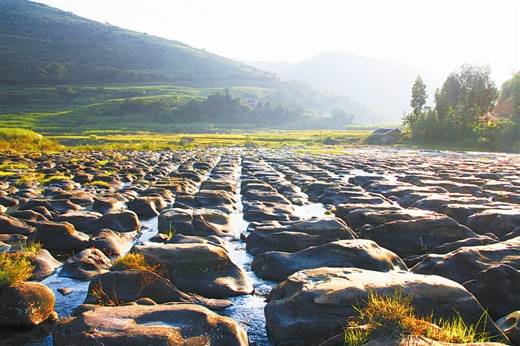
{"x":393,"y":317}
{"x":14,"y":268}
{"x":133,"y":261}
{"x":55,"y":179}
{"x":18,"y":139}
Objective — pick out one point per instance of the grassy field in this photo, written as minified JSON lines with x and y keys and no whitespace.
{"x":12,"y":139}
{"x":81,"y":108}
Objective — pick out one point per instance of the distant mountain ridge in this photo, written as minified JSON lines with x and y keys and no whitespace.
{"x":382,"y":85}
{"x":42,"y":44}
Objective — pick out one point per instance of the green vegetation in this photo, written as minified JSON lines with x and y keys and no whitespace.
{"x":466,"y":112}
{"x":14,"y":268}
{"x":16,"y":139}
{"x":133,"y":261}
{"x":301,"y":141}
{"x":44,"y":45}
{"x":393,"y":317}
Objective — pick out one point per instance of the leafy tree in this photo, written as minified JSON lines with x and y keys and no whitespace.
{"x":468,"y":94}
{"x":511,"y":91}
{"x":419,"y":96}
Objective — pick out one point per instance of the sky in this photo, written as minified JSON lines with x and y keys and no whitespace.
{"x":436,"y":36}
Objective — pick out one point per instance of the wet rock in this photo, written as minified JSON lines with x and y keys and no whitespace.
{"x":11,"y":225}
{"x":188,"y":239}
{"x":86,"y":265}
{"x":267,"y":211}
{"x":177,"y":324}
{"x":55,"y":205}
{"x":113,"y":243}
{"x":147,"y":206}
{"x":26,"y":305}
{"x":358,"y":253}
{"x":65,"y":291}
{"x":314,"y":305}
{"x":83,"y":221}
{"x":498,"y":222}
{"x":198,"y":268}
{"x":360,"y":217}
{"x":29,"y":215}
{"x":131,"y":285}
{"x":448,"y":247}
{"x":479,"y":268}
{"x":297,"y":236}
{"x":510,"y":325}
{"x":417,"y":236}
{"x":44,"y":265}
{"x":122,"y":221}
{"x":8,"y":202}
{"x":194,"y":222}
{"x":60,"y":236}
{"x":4,"y":247}
{"x":107,"y":205}
{"x":17,"y":241}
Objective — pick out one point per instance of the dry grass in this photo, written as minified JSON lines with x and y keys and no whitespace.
{"x":393,"y":317}
{"x":133,"y":261}
{"x":14,"y":268}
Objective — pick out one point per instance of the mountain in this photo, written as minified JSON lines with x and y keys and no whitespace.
{"x":382,"y":85}
{"x":44,"y":45}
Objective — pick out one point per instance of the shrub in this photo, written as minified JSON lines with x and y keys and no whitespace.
{"x":133,"y":261}
{"x":393,"y":317}
{"x":14,"y":268}
{"x":17,"y":139}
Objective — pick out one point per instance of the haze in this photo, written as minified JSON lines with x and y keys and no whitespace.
{"x":434,"y":36}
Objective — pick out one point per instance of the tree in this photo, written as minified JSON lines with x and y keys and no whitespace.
{"x":419,"y":96}
{"x":467,"y":94}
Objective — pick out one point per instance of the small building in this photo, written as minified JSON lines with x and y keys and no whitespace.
{"x":384,"y":136}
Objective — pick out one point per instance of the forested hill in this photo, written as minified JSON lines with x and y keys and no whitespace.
{"x":44,"y":45}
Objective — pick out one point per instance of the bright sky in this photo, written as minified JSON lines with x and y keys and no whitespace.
{"x":434,"y":35}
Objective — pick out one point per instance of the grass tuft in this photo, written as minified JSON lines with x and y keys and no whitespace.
{"x":14,"y":268}
{"x":393,"y":317}
{"x":133,"y":261}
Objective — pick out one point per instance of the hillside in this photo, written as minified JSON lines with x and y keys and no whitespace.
{"x":382,"y":85}
{"x":61,"y":72}
{"x":44,"y":45}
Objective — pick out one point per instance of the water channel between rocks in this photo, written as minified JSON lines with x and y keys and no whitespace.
{"x":247,"y":310}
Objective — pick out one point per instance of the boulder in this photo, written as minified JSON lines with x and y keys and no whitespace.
{"x":479,"y":268}
{"x":83,"y":221}
{"x":86,"y":265}
{"x":203,"y":269}
{"x":498,"y":222}
{"x":119,"y":221}
{"x":314,"y":305}
{"x":44,"y":265}
{"x":60,"y":236}
{"x":358,"y":253}
{"x":107,"y":205}
{"x":147,"y":206}
{"x":417,"y":236}
{"x":26,"y":304}
{"x":130,"y":285}
{"x":194,"y":222}
{"x":113,"y":243}
{"x":133,"y":325}
{"x":11,"y":225}
{"x":510,"y":325}
{"x":296,"y":236}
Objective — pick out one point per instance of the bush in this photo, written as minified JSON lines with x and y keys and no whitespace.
{"x":17,"y":139}
{"x":14,"y":268}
